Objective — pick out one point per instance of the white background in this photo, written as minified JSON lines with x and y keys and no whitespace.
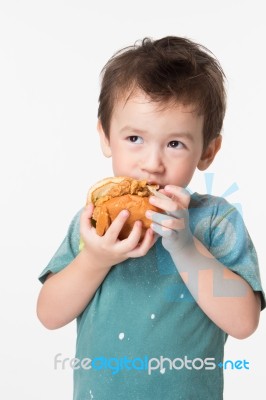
{"x":51,"y":55}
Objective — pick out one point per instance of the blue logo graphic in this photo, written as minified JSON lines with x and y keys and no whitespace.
{"x":209,"y":178}
{"x":220,"y":227}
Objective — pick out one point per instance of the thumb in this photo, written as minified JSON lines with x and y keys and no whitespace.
{"x":86,"y":215}
{"x":89,"y":209}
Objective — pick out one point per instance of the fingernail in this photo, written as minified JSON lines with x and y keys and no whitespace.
{"x":124,"y":213}
{"x":138,"y":223}
{"x":148,"y":214}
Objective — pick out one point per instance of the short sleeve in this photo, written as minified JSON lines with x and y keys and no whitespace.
{"x":66,"y":252}
{"x":231,"y":244}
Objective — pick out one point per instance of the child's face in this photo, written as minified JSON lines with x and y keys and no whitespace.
{"x":161,"y":144}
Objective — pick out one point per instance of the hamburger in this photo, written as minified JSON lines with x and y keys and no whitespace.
{"x":112,"y":195}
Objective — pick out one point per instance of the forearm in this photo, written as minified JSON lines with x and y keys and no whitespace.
{"x":65,"y":294}
{"x":225,"y":297}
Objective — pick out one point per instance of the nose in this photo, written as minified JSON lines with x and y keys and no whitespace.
{"x":152,"y":162}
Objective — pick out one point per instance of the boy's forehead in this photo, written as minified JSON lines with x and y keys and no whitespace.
{"x":134,"y":99}
{"x":140,"y":113}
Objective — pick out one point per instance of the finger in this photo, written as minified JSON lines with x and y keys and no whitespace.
{"x":143,"y":247}
{"x":163,"y":231}
{"x":85,"y":217}
{"x":178,"y":193}
{"x":149,"y":239}
{"x":166,"y":221}
{"x":133,"y":238}
{"x":116,"y":226}
{"x":170,"y":206}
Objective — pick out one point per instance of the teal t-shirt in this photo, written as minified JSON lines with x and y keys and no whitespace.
{"x":143,"y":336}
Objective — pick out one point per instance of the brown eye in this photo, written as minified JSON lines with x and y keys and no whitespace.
{"x":135,"y":139}
{"x":175,"y":144}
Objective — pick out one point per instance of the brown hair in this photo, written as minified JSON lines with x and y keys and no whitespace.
{"x":169,"y":69}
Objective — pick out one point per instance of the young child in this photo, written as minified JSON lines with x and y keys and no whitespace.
{"x":153,"y":317}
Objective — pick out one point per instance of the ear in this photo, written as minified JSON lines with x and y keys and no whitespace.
{"x":209,"y":153}
{"x":105,"y":143}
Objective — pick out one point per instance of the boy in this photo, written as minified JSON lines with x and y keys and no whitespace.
{"x":153,"y":316}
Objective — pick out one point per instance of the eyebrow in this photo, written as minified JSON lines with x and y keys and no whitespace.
{"x":136,"y":131}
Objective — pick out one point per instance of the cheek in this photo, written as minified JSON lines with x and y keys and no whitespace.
{"x":190,"y":167}
{"x":182,"y":173}
{"x":122,"y":164}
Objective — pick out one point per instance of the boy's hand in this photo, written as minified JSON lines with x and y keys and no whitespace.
{"x":108,"y":250}
{"x":174,"y":225}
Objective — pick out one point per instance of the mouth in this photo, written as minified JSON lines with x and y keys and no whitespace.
{"x":155,"y":183}
{"x":150,"y":182}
